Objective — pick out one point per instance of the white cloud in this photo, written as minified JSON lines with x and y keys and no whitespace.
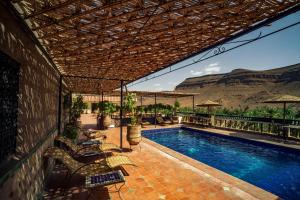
{"x":196,"y":73}
{"x":157,"y":84}
{"x":210,"y":70}
{"x":213,"y":64}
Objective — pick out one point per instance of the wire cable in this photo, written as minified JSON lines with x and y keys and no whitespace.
{"x":202,"y":58}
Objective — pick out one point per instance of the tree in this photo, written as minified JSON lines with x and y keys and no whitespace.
{"x":130,"y":107}
{"x":107,"y":107}
{"x":77,"y":109}
{"x":297,"y":114}
{"x":176,"y":106}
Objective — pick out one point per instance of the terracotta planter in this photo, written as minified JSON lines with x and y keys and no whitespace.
{"x":104,"y":122}
{"x":134,"y":134}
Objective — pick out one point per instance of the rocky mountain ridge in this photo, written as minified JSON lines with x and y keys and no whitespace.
{"x":242,"y":87}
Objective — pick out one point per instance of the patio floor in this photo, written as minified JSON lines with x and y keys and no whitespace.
{"x":161,"y":174}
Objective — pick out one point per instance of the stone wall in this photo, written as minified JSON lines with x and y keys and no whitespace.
{"x":38,"y":110}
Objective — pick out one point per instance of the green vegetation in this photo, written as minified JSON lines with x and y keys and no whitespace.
{"x":176,"y":106}
{"x":160,"y":108}
{"x":130,"y":107}
{"x":77,"y":109}
{"x":185,"y":110}
{"x":70,"y":132}
{"x":67,"y":101}
{"x":292,"y":112}
{"x":260,"y":111}
{"x":107,"y":107}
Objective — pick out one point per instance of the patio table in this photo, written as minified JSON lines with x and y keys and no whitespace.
{"x":104,"y":179}
{"x":90,"y":142}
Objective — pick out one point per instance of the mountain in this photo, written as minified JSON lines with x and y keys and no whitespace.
{"x":242,"y":87}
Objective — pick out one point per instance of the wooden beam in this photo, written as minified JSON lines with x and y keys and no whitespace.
{"x":143,"y":44}
{"x":80,"y":15}
{"x":52,"y":8}
{"x":96,"y":78}
{"x":123,"y":24}
{"x":98,"y":42}
{"x":118,"y":41}
{"x":124,"y":36}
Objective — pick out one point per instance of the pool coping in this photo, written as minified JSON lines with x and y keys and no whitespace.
{"x":239,"y":187}
{"x":226,"y":133}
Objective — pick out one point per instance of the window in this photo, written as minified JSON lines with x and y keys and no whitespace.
{"x":9,"y":88}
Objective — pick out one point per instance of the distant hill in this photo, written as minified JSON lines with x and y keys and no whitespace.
{"x":242,"y":87}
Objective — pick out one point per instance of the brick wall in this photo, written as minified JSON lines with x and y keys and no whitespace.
{"x":38,"y":108}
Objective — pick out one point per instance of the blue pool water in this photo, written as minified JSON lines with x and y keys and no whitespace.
{"x":274,"y":169}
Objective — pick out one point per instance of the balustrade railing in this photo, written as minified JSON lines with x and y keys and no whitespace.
{"x":269,"y":126}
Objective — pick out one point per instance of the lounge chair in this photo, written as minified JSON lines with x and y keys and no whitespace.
{"x":82,"y":150}
{"x":95,"y":134}
{"x":145,"y":123}
{"x":89,"y":169}
{"x":175,"y":120}
{"x":162,"y":122}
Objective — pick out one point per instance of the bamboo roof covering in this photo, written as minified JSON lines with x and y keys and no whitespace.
{"x":209,"y":103}
{"x":163,"y":94}
{"x":128,"y":39}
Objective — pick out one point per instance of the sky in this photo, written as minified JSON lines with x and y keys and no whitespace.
{"x":278,"y":50}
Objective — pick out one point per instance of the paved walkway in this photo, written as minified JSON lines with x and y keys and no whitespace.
{"x":162,"y":174}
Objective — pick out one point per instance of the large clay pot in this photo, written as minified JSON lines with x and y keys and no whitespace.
{"x":104,"y":121}
{"x":134,"y":134}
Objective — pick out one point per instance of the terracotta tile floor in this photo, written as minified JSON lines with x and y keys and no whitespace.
{"x":161,"y":174}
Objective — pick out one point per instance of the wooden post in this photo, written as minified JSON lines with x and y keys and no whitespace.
{"x":121,"y":116}
{"x":284,"y":123}
{"x":193,"y":103}
{"x":155,"y":109}
{"x":70,"y":108}
{"x":59,"y":105}
{"x":102,"y":103}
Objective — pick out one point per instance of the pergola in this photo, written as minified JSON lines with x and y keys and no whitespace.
{"x":101,"y":45}
{"x":155,"y":95}
{"x":96,"y":43}
{"x":142,"y":94}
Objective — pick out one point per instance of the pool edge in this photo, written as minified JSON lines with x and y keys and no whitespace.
{"x":216,"y":175}
{"x":219,"y":133}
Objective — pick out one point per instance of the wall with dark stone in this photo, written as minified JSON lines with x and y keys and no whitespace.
{"x":37,"y":114}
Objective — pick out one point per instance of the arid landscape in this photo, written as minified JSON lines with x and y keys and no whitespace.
{"x":240,"y":87}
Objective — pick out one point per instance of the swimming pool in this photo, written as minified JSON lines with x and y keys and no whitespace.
{"x":272,"y":168}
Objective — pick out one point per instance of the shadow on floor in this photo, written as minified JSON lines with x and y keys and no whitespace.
{"x":57,"y":187}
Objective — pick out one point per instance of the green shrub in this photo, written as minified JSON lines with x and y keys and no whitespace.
{"x":107,"y":107}
{"x":77,"y":109}
{"x":70,"y":131}
{"x":130,"y":107}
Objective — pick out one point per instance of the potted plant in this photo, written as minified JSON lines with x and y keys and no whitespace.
{"x":133,"y":128}
{"x":175,"y":118}
{"x":106,"y":108}
{"x":76,"y":110}
{"x":70,"y":131}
